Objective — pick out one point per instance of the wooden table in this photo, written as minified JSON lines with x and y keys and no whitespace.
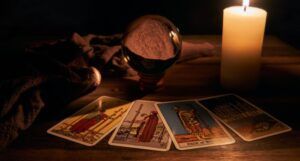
{"x":278,"y":94}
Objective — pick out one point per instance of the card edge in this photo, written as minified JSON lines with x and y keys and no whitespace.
{"x":110,"y":141}
{"x":242,"y":137}
{"x":232,"y":140}
{"x":49,"y":131}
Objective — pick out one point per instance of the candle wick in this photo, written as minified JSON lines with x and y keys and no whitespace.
{"x":245,"y":8}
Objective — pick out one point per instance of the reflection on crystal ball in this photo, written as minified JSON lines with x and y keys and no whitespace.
{"x":151,"y":44}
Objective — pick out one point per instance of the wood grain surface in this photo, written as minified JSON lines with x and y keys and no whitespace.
{"x":278,"y":93}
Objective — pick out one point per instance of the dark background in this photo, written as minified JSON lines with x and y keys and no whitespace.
{"x":21,"y":18}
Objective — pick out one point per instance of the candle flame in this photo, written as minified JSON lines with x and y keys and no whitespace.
{"x":246,"y":4}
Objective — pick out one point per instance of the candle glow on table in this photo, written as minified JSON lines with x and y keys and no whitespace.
{"x":243,"y":33}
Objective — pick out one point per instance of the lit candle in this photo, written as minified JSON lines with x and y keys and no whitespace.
{"x":243,"y":33}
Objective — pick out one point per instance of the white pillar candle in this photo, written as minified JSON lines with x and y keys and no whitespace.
{"x":243,"y":33}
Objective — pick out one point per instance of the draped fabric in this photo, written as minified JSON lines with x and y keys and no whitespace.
{"x":51,"y":74}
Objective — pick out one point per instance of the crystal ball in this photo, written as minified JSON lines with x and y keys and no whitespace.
{"x":151,"y":44}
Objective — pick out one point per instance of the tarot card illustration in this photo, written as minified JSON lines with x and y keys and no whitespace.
{"x":245,"y":119}
{"x":90,"y":124}
{"x":191,"y":126}
{"x":142,"y":128}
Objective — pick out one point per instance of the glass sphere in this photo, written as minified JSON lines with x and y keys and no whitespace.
{"x":151,"y":44}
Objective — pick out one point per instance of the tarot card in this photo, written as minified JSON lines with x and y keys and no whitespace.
{"x":191,"y":126}
{"x":91,"y":124}
{"x":245,"y":119}
{"x":142,"y":128}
